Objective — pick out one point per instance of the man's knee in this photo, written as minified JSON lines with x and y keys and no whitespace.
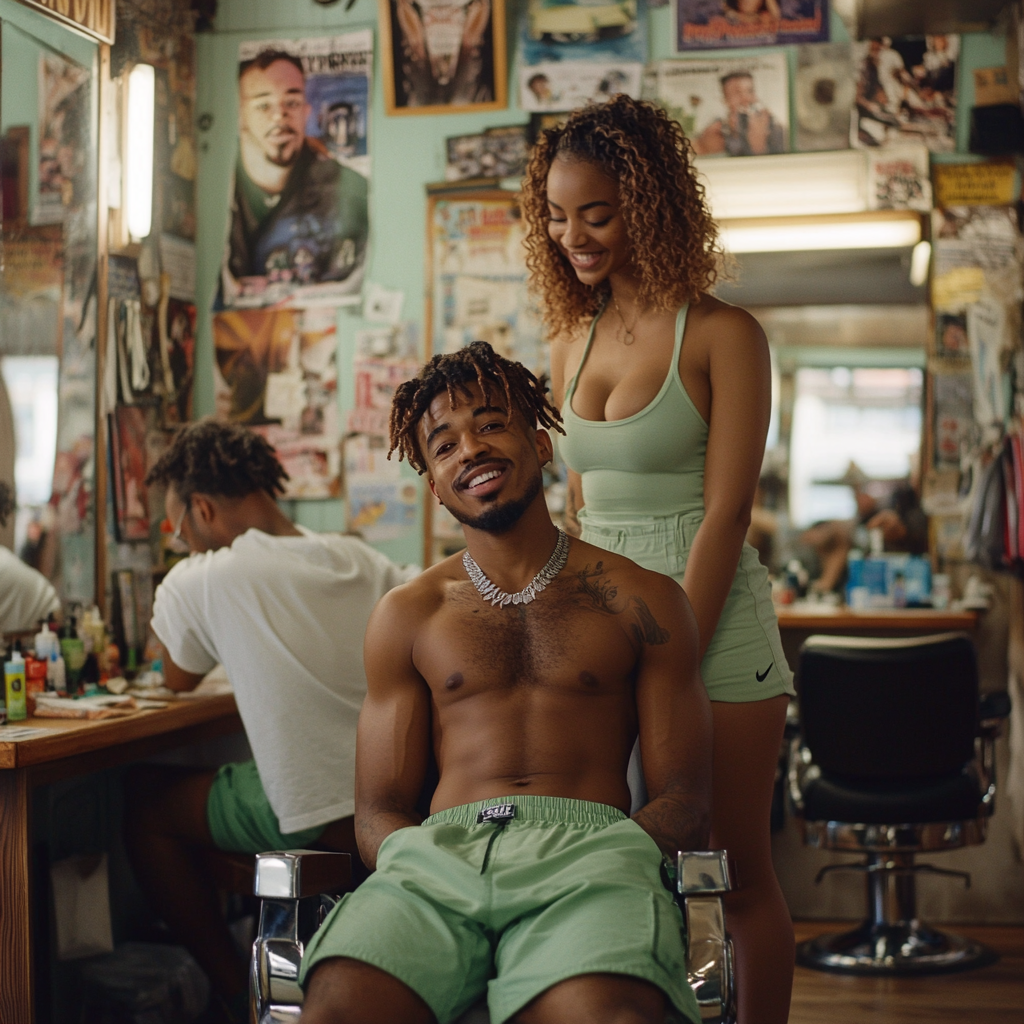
{"x":168,"y":801}
{"x":345,"y":991}
{"x":597,"y":999}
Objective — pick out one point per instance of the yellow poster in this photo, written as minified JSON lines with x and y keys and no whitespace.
{"x":986,"y":184}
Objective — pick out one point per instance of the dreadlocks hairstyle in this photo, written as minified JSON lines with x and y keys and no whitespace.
{"x":674,"y":240}
{"x":6,"y":502}
{"x":476,"y":363}
{"x":219,"y":459}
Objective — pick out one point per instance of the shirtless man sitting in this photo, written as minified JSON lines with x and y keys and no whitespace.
{"x":528,"y":879}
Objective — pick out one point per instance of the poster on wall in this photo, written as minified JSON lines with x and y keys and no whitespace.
{"x":823,"y":95}
{"x":575,"y":53}
{"x":299,"y":223}
{"x":734,"y":106}
{"x":443,"y":58}
{"x":276,"y":372}
{"x":906,"y":92}
{"x":63,"y":151}
{"x":716,"y":24}
{"x":128,"y":462}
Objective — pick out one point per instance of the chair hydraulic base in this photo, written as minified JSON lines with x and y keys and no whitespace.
{"x":910,"y":947}
{"x":892,"y":941}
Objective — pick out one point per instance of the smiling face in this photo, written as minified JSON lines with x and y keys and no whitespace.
{"x":483,"y":466}
{"x":273,"y":110}
{"x":585,"y":219}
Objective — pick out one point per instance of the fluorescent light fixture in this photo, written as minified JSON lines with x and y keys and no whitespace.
{"x":867,"y":231}
{"x":139,"y":147}
{"x":920,"y":258}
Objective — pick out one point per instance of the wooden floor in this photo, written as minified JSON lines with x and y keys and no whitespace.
{"x":991,"y":995}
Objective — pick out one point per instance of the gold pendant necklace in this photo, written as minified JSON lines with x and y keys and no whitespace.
{"x":627,"y":332}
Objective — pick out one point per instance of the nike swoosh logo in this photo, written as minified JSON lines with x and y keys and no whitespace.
{"x":761,"y":676}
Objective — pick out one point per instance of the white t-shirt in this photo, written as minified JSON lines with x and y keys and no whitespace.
{"x":285,"y":616}
{"x":26,"y":595}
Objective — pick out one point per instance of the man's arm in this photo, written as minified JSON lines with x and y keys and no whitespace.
{"x":176,"y":678}
{"x":674,"y":715}
{"x":393,"y":744}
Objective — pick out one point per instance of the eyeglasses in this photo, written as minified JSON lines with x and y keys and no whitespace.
{"x":176,"y":537}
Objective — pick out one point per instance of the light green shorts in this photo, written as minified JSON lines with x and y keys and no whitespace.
{"x":240,"y":817}
{"x":744,"y":661}
{"x":456,"y":908}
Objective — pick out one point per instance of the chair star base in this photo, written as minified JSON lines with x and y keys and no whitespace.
{"x":890,"y":950}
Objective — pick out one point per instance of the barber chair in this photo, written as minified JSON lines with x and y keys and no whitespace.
{"x":894,"y":757}
{"x":299,"y":887}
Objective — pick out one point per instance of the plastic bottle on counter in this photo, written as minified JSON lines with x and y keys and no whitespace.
{"x":45,"y":641}
{"x":56,"y":676}
{"x":14,"y":686}
{"x":72,"y":651}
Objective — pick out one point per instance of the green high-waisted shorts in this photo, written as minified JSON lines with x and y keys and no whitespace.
{"x":744,"y":661}
{"x":240,"y":817}
{"x":456,"y":908}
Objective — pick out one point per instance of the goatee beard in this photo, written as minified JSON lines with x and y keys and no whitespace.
{"x":500,"y":518}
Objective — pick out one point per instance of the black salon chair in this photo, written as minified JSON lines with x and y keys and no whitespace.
{"x":894,"y":757}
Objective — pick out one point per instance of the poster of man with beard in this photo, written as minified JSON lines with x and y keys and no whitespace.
{"x":299,"y":224}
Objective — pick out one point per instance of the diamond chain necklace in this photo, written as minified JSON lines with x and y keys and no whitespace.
{"x":499,"y":598}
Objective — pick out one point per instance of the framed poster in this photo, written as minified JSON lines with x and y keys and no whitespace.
{"x":443,"y":58}
{"x":716,"y":24}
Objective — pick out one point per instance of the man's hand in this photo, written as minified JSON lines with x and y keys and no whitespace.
{"x":759,"y":126}
{"x":889,"y":522}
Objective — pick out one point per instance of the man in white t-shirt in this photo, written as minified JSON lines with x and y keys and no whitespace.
{"x":284,"y":611}
{"x":26,"y":595}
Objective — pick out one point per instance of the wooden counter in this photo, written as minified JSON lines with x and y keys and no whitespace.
{"x":825,"y":618}
{"x":74,"y":747}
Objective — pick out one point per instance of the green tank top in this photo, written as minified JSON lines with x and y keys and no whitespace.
{"x":650,"y":463}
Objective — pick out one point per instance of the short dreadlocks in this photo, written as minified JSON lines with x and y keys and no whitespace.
{"x":219,"y":459}
{"x":476,"y":363}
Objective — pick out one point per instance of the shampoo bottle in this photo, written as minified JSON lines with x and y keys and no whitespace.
{"x":14,"y":687}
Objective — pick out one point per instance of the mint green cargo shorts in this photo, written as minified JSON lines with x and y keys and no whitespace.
{"x":240,"y":817}
{"x":456,"y":908}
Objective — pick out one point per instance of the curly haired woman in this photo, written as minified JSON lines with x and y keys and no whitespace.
{"x":665,"y":393}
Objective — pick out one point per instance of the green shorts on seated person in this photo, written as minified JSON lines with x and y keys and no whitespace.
{"x":457,"y":908}
{"x":240,"y":817}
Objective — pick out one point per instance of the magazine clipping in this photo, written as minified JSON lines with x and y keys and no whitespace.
{"x":824,"y":92}
{"x":906,"y":92}
{"x":734,"y":106}
{"x":576,"y":53}
{"x":299,"y":224}
{"x":717,"y":24}
{"x":898,"y":179}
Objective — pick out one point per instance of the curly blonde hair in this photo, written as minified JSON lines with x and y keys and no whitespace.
{"x":674,"y":240}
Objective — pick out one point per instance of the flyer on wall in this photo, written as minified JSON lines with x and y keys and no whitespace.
{"x":276,"y":372}
{"x":299,"y":222}
{"x":716,"y":24}
{"x":733,"y":106}
{"x":575,"y":53}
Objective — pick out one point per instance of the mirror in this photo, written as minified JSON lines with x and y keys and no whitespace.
{"x":48,"y":126}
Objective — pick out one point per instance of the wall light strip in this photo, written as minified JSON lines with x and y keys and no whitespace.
{"x":881,"y":231}
{"x":139,"y":145}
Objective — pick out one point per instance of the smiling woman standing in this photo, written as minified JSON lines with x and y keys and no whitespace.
{"x":666,"y":394}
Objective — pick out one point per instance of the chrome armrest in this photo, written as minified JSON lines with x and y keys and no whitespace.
{"x":702,"y":878}
{"x":295,"y":887}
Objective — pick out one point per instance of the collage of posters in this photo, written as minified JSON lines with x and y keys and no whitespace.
{"x":299,"y":219}
{"x":276,"y":373}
